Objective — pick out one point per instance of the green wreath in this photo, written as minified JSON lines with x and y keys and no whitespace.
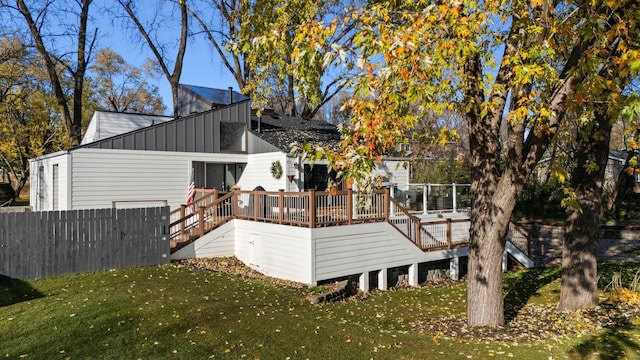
{"x":276,"y":170}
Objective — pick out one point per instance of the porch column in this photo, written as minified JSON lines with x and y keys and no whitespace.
{"x":413,"y":274}
{"x":363,"y":281}
{"x":392,"y":207}
{"x":382,"y":279}
{"x":454,"y":268}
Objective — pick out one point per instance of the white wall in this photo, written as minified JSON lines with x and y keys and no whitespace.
{"x":353,"y":249}
{"x":275,"y":250}
{"x":100,"y":176}
{"x":41,"y":184}
{"x":258,"y":172}
{"x":393,"y":171}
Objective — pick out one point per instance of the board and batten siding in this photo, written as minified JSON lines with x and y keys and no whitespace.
{"x":101,"y":176}
{"x":257,"y":145}
{"x":43,"y":188}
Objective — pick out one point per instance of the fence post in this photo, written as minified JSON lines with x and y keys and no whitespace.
{"x":455,"y":205}
{"x":312,"y":208}
{"x":201,"y":220}
{"x":349,"y":206}
{"x":448,"y":233}
{"x":281,"y":205}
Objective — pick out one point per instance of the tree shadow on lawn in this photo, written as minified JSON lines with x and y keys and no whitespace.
{"x":13,"y":291}
{"x":525,"y":286}
{"x":613,"y":343}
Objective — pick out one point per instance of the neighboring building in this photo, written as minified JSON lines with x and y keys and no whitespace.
{"x":105,"y":124}
{"x":152,"y":165}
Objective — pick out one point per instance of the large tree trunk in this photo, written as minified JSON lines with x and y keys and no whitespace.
{"x":579,"y":263}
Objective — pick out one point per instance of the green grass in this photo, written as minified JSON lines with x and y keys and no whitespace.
{"x":176,"y":313}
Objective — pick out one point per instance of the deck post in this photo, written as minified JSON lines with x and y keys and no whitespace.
{"x":215,"y":194}
{"x":281,"y":205}
{"x":256,"y":205}
{"x":392,"y":208}
{"x":201,"y":220}
{"x":234,"y":202}
{"x":454,"y":268}
{"x":455,"y":203}
{"x":425,"y":198}
{"x":413,"y":274}
{"x":418,"y":227}
{"x":387,"y":202}
{"x":312,"y":208}
{"x":182,"y":213}
{"x":349,"y":206}
{"x":382,"y":279}
{"x":363,"y":281}
{"x":448,"y":233}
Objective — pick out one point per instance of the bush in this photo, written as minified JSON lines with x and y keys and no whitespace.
{"x":6,"y":193}
{"x":540,"y":201}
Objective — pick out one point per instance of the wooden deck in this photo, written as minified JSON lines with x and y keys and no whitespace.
{"x":317,"y":209}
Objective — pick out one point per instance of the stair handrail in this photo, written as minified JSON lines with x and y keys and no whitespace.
{"x":413,"y":222}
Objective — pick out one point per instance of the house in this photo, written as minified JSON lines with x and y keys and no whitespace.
{"x":299,"y":235}
{"x":149,"y":166}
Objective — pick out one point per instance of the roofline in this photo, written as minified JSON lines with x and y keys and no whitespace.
{"x":158,"y":125}
{"x":130,"y":113}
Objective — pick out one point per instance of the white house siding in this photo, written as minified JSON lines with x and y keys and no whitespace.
{"x":348,"y":250}
{"x":217,"y":243}
{"x":393,"y":172}
{"x":258,"y":172}
{"x":101,"y":176}
{"x":105,"y":124}
{"x":42,"y":185}
{"x":275,"y":250}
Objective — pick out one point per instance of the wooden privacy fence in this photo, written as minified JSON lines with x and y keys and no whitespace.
{"x":40,"y":244}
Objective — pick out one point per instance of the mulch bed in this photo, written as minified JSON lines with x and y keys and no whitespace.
{"x":533,"y":323}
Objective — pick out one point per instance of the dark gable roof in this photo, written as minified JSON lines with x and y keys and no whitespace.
{"x":215,"y":96}
{"x":281,"y":131}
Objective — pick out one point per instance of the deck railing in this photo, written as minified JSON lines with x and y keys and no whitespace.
{"x":318,"y":209}
{"x":308,"y":209}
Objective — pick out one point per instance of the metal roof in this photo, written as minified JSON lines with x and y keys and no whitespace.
{"x":215,"y":96}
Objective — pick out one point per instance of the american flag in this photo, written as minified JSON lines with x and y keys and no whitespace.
{"x":191,"y":190}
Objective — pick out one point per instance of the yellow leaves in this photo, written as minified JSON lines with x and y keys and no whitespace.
{"x":633,"y":145}
{"x":535,"y":3}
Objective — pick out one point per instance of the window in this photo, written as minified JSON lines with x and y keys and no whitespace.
{"x":232,"y":137}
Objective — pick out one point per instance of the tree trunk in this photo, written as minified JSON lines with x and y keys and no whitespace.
{"x":579,"y":263}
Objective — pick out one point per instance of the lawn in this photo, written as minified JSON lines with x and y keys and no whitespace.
{"x":176,"y":312}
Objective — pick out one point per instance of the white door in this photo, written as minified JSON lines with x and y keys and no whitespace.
{"x":255,"y":249}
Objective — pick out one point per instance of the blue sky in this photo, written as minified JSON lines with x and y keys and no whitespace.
{"x":201,"y":66}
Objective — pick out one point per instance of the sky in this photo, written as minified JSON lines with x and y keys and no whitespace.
{"x":201,"y":66}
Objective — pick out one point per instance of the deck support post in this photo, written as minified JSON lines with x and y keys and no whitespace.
{"x":363,"y":281}
{"x":392,"y":207}
{"x":413,"y":274}
{"x":382,"y":279}
{"x":454,"y":268}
